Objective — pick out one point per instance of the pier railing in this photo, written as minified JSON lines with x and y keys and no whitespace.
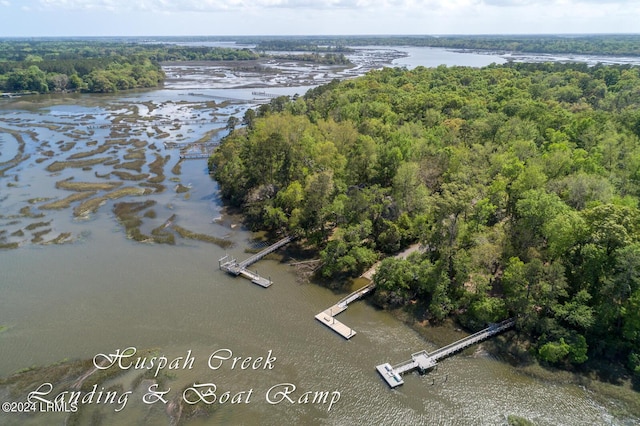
{"x":424,"y":360}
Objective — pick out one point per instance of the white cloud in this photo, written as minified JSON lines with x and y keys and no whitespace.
{"x":217,"y":5}
{"x":416,"y":6}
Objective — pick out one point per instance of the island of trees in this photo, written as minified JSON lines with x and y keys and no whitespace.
{"x":521,"y":182}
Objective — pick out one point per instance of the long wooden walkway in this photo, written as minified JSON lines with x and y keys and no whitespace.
{"x":424,"y":361}
{"x":233,"y":267}
{"x":194,"y":156}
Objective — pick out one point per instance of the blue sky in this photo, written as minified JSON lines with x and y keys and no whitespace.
{"x":24,"y":18}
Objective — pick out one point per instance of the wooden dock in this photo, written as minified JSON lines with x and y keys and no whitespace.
{"x":327,"y":317}
{"x":233,"y":267}
{"x":194,"y":156}
{"x":424,"y":361}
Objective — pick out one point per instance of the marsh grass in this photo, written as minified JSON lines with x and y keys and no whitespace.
{"x":26,"y":212}
{"x":93,"y":204}
{"x":177,"y":169}
{"x":134,"y":154}
{"x":36,"y":225}
{"x":19,"y":157}
{"x":66,"y":202}
{"x":38,"y":200}
{"x":185,"y":233}
{"x":37,"y":236}
{"x":131,"y":165}
{"x":157,"y":168}
{"x":58,"y":166}
{"x":180,"y":189}
{"x":208,"y":136}
{"x":99,"y":150}
{"x":127,"y":214}
{"x":162,"y":236}
{"x":129,"y":176}
{"x":67,"y":146}
{"x":86,"y":186}
{"x":62,"y":238}
{"x":513,"y":420}
{"x":157,"y":187}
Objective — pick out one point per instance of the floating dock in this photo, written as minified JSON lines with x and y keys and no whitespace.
{"x":327,"y":317}
{"x":424,"y":361}
{"x":233,"y":267}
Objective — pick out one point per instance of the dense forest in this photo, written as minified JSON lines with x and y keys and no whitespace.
{"x":521,"y":182}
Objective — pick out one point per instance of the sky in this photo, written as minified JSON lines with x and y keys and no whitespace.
{"x":53,"y":18}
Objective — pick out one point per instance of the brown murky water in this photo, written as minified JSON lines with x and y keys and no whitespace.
{"x":101,"y":292}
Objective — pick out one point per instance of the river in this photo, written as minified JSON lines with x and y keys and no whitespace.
{"x":93,"y":291}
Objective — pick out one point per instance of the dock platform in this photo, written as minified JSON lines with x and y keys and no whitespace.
{"x":233,"y":267}
{"x":327,"y":317}
{"x":424,"y":361}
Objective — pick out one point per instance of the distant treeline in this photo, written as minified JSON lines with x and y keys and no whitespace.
{"x":628,"y":44}
{"x":45,"y":66}
{"x":327,"y":59}
{"x":300,"y":45}
{"x":104,"y":66}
